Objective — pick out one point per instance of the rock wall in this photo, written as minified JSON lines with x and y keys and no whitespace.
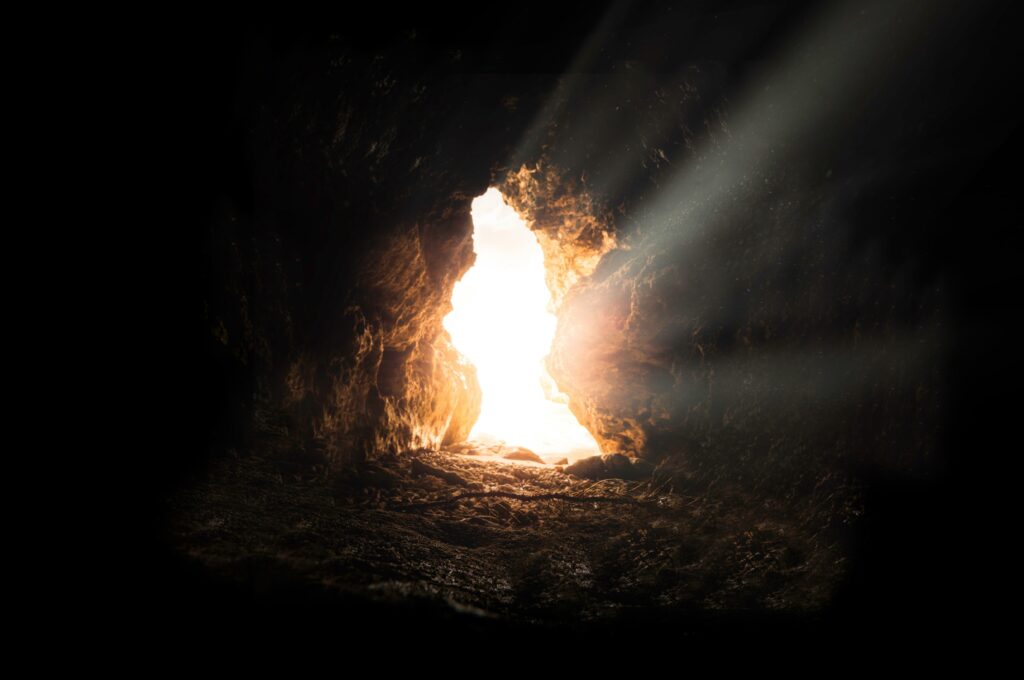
{"x":733,"y":298}
{"x":328,"y":269}
{"x":733,"y":246}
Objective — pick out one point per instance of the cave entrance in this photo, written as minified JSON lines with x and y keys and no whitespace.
{"x":501,"y":321}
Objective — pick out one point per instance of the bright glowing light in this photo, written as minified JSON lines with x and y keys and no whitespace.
{"x":501,"y":324}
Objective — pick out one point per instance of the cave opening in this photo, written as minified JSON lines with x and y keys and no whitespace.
{"x":502,"y":321}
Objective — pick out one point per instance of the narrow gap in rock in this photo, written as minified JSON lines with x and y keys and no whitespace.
{"x":502,"y":322}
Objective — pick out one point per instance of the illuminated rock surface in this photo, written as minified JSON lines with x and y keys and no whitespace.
{"x":756,"y":309}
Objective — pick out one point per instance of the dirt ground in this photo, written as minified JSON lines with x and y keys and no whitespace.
{"x":494,"y":539}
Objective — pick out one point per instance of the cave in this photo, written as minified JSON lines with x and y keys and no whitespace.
{"x":631,"y":322}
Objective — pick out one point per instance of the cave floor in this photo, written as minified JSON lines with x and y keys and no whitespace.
{"x":524,"y":543}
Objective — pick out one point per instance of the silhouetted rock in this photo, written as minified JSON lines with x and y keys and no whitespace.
{"x":587,"y":468}
{"x":617,"y":465}
{"x":611,"y":466}
{"x":641,"y":469}
{"x":421,"y":468}
{"x":521,"y":453}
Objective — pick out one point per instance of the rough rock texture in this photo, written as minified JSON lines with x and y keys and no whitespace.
{"x":611,"y":466}
{"x":749,"y":248}
{"x":723,"y":297}
{"x":327,"y":279}
{"x":730,"y":295}
{"x":573,"y":232}
{"x":496,"y":542}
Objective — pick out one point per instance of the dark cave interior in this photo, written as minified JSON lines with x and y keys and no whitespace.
{"x":752,"y":217}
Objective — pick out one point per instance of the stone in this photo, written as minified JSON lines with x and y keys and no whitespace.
{"x":641,"y":469}
{"x":611,"y":466}
{"x":521,"y":453}
{"x":587,"y":468}
{"x":726,"y":329}
{"x":617,"y":465}
{"x":421,"y":468}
